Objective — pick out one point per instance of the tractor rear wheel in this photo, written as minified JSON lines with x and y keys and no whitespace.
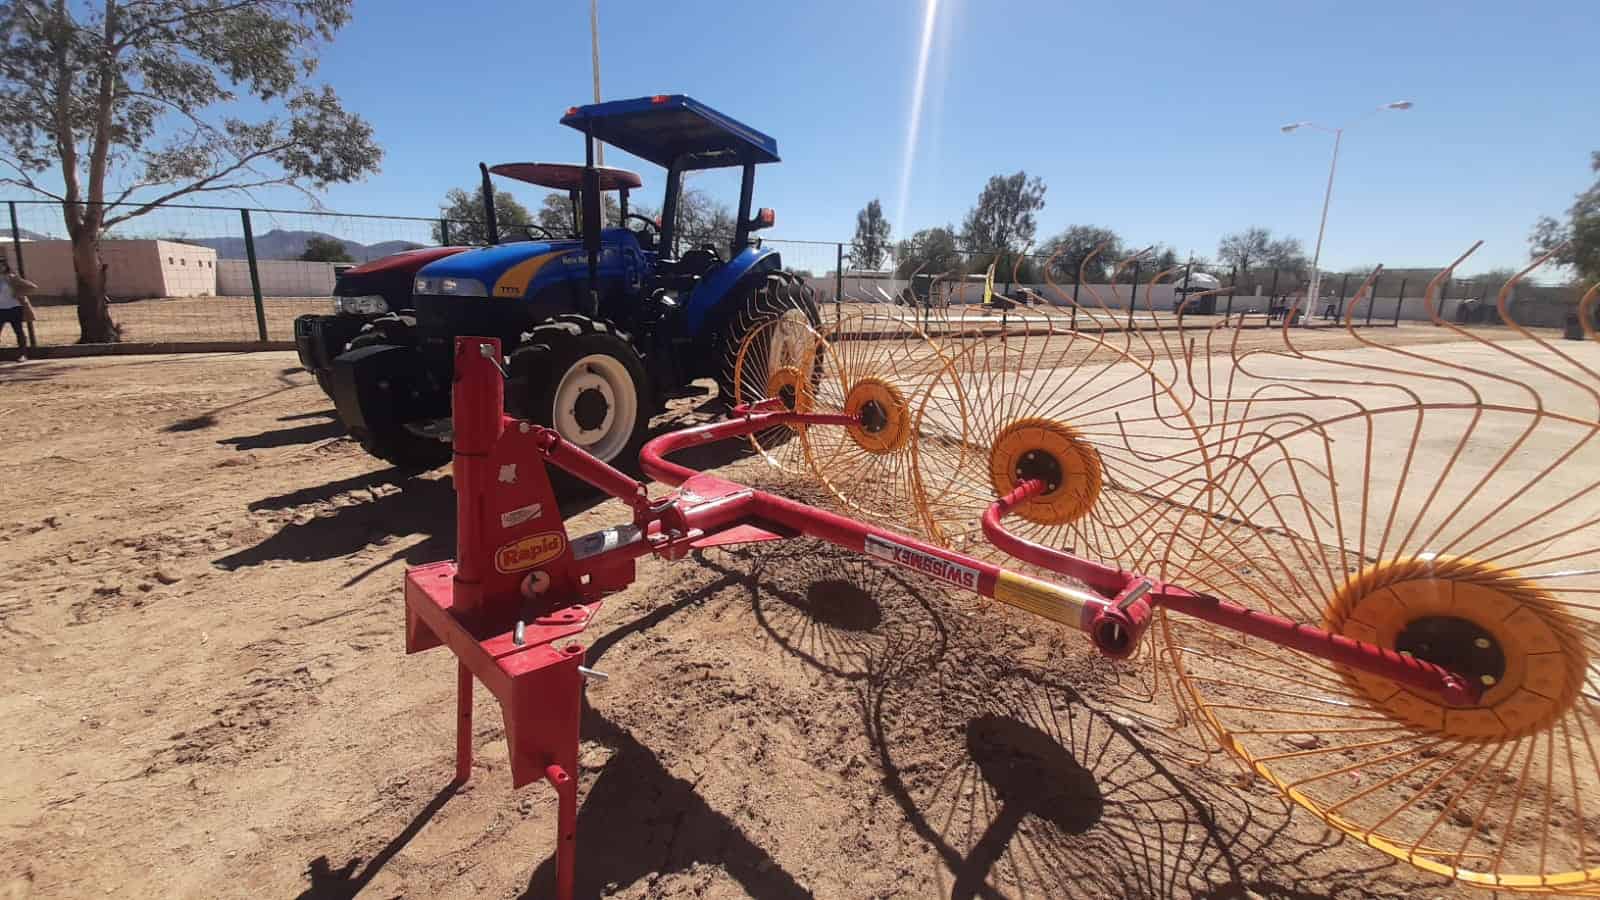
{"x":584,"y":379}
{"x":394,"y":442}
{"x":768,"y":299}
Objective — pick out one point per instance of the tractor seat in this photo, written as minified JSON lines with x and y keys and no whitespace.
{"x":699,"y":261}
{"x":683,"y":273}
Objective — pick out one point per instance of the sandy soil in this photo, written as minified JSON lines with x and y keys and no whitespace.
{"x":206,"y":695}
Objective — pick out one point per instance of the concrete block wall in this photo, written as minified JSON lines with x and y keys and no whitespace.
{"x":279,"y":278}
{"x":134,"y":269}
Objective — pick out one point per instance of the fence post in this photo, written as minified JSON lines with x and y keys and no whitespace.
{"x":838,"y":281}
{"x":1272,"y":297}
{"x":1183,"y":292}
{"x":255,"y":274}
{"x":444,"y":232}
{"x":1233,"y":282}
{"x":1399,"y":303}
{"x":1372,"y":298}
{"x":1344,"y":285}
{"x":16,"y":240}
{"x":1134,"y":297}
{"x":1075,"y":283}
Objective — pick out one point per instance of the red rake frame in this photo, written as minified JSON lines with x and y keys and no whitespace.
{"x":519,"y":591}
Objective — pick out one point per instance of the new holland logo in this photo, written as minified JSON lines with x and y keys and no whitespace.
{"x":926,"y":563}
{"x":525,"y":553}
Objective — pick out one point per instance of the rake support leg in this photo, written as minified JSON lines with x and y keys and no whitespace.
{"x":463,"y":723}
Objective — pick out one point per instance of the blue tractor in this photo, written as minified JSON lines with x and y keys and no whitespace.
{"x":600,"y":326}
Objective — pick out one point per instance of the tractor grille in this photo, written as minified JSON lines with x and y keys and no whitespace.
{"x":440,"y":320}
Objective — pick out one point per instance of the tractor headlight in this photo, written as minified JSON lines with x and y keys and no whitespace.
{"x":462,"y":287}
{"x":366,"y":305}
{"x":454,"y":287}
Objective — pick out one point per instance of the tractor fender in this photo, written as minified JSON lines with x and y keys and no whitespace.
{"x":725,"y":282}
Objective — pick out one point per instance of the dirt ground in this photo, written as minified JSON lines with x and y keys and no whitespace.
{"x":206,"y":695}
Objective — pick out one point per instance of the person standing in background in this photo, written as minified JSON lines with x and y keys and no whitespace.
{"x":14,"y":305}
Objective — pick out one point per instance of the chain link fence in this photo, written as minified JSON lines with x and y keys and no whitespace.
{"x":1144,"y":293}
{"x":194,"y":274}
{"x":191,"y":274}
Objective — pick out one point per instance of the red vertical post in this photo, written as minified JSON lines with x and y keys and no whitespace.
{"x":478,"y":404}
{"x":463,"y":723}
{"x":566,"y":828}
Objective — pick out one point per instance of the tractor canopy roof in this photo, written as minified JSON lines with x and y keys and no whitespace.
{"x":564,"y":176}
{"x":670,"y":127}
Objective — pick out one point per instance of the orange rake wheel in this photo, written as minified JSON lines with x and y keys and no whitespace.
{"x":1439,"y":501}
{"x":1092,"y":417}
{"x":882,"y":370}
{"x":773,"y":362}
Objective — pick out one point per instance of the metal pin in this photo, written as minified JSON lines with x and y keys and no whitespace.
{"x":592,"y":674}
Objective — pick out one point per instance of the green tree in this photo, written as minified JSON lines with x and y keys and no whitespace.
{"x":1072,"y":249}
{"x":125,"y":100}
{"x":1155,"y":259}
{"x":871,"y":242}
{"x":326,"y":249}
{"x":1245,"y":249}
{"x":464,"y":210}
{"x":1287,"y":255}
{"x":1580,"y":232}
{"x":1256,"y":249}
{"x":555,"y":212}
{"x":931,"y":251}
{"x":1003,"y":220}
{"x":702,"y":220}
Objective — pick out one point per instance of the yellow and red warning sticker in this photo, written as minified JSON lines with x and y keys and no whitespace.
{"x":1043,"y":599}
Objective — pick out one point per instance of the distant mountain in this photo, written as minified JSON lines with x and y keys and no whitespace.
{"x":280,"y":244}
{"x":25,"y":234}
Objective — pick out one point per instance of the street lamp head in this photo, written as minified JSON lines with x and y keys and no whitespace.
{"x":1292,"y":126}
{"x":1399,"y":104}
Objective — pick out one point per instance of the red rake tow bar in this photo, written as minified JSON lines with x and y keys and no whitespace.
{"x":519,"y":593}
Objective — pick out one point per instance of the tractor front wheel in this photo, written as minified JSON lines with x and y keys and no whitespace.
{"x":584,"y":379}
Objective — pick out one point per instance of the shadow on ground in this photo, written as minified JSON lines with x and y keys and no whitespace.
{"x":423,"y":506}
{"x":638,"y":819}
{"x":328,"y":883}
{"x":283,"y":437}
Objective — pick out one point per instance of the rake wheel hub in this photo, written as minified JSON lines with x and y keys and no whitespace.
{"x":883,"y":420}
{"x":1488,"y":624}
{"x":784,"y":383}
{"x":1054,"y":453}
{"x":1457,"y":644}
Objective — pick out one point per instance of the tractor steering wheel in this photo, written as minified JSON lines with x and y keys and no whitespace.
{"x":544,"y":234}
{"x":649,"y":235}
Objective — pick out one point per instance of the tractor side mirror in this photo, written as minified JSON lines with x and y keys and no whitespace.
{"x":765,"y":218}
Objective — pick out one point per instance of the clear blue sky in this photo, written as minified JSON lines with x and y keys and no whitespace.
{"x":1158,"y":119}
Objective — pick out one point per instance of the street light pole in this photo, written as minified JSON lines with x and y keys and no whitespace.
{"x":594,"y":52}
{"x":1314,"y":295}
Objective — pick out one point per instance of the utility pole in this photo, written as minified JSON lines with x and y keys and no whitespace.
{"x":594,"y":49}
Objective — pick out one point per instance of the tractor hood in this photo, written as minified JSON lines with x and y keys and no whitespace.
{"x":516,"y":270}
{"x":405,"y":259}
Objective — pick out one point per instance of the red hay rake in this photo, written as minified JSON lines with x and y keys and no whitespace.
{"x":1337,"y":636}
